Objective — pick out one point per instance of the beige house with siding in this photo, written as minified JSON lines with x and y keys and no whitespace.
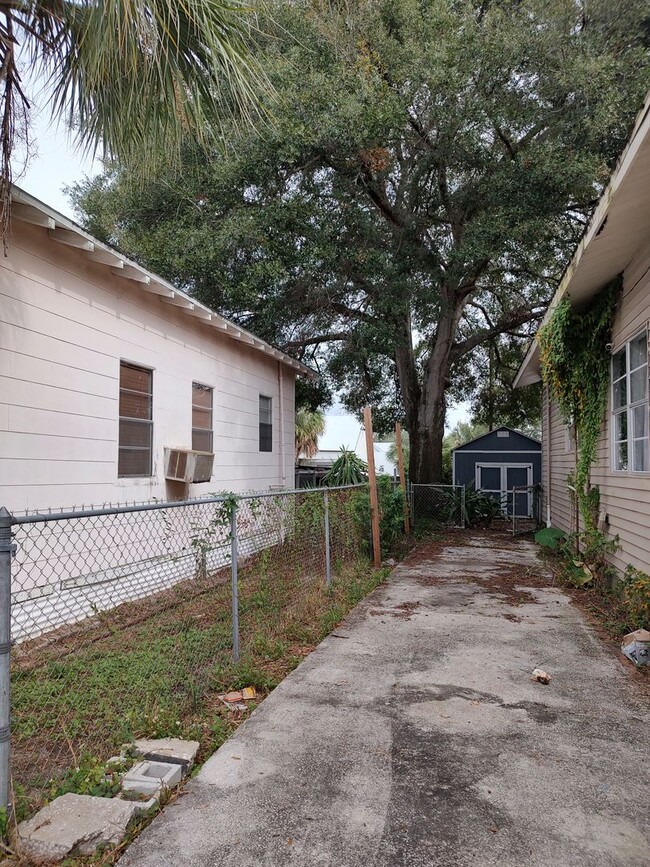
{"x":115,"y":386}
{"x":616,"y":242}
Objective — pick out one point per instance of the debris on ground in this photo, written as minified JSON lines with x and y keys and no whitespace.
{"x":636,"y":646}
{"x":541,"y":676}
{"x":237,"y":700}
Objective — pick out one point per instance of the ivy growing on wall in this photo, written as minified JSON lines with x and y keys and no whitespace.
{"x":575,"y":361}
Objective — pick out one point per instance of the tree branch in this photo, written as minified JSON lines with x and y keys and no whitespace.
{"x":329,"y":337}
{"x":510,"y":321}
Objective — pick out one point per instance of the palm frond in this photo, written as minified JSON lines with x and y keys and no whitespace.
{"x":135,"y":78}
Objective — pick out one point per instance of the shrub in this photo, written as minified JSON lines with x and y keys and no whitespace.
{"x":480,"y":509}
{"x":636,"y":597}
{"x":391,"y":513}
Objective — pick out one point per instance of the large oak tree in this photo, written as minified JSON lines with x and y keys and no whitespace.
{"x":428,"y":170}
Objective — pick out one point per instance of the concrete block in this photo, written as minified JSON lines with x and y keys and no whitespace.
{"x":172,"y":750}
{"x":149,"y":778}
{"x":75,"y":825}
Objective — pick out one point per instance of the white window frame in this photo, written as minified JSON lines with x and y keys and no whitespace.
{"x":269,"y":424}
{"x":209,"y":430}
{"x":628,"y":408}
{"x":146,"y":423}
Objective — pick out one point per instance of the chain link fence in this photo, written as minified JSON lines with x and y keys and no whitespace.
{"x":437,"y":506}
{"x":122,"y":620}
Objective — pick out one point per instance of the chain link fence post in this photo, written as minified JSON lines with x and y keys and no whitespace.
{"x":6,"y":551}
{"x":235,"y":586}
{"x":463,"y":513}
{"x":328,"y":565}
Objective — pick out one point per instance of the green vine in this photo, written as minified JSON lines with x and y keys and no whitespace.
{"x":575,"y":363}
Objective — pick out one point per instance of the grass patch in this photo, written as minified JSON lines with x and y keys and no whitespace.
{"x":155,"y":667}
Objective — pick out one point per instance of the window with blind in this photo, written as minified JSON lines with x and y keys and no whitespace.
{"x":136,"y":421}
{"x":201,"y":417}
{"x":266,"y":424}
{"x":630,"y":407}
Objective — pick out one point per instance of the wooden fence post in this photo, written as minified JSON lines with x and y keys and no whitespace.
{"x":372,"y":481}
{"x":402,"y":477}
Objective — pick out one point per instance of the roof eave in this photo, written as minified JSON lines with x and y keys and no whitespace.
{"x":65,"y":231}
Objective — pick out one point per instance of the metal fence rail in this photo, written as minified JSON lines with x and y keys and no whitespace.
{"x":93,"y":601}
{"x":437,"y":505}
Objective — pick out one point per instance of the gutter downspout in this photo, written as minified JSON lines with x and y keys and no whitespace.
{"x":283,"y":445}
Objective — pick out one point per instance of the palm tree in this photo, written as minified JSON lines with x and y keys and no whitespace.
{"x":309,"y":427}
{"x":134,"y":77}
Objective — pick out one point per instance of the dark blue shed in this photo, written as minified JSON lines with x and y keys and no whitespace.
{"x":497,"y":462}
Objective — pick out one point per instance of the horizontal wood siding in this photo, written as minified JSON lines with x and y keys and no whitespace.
{"x":562,"y":464}
{"x":65,"y":324}
{"x":625,"y":497}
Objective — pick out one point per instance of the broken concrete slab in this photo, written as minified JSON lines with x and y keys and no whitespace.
{"x":75,"y":825}
{"x":173,"y":750}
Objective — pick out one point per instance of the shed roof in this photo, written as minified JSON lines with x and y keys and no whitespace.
{"x":619,"y":226}
{"x":26,"y":208}
{"x":491,"y":433}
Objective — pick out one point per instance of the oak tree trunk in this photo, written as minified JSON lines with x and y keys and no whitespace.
{"x":424,"y":402}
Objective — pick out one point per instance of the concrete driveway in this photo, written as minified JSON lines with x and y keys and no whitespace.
{"x":413,"y":735}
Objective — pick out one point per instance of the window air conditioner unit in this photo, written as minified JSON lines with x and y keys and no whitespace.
{"x":184,"y":465}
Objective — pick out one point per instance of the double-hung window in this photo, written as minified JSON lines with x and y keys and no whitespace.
{"x":136,"y":421}
{"x":201,"y":417}
{"x":266,"y":424}
{"x":630,"y":406}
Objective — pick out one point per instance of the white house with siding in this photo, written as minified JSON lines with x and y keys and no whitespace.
{"x":616,"y":242}
{"x":106,"y":369}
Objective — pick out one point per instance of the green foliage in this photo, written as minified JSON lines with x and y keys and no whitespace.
{"x":480,"y":509}
{"x":426,"y":177}
{"x":391,"y":513}
{"x":551,"y":537}
{"x":485,"y":379}
{"x":636,"y":597}
{"x":347,"y":469}
{"x":91,"y":777}
{"x":576,"y":363}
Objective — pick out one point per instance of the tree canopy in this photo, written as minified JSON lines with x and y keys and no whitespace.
{"x":429,"y":169}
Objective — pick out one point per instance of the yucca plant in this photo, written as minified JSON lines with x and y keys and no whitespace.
{"x":347,"y":469}
{"x":133,"y":77}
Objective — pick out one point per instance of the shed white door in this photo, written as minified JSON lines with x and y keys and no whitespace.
{"x":498,"y":480}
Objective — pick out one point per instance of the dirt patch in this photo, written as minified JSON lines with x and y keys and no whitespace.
{"x":403,"y":611}
{"x":504,"y":574}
